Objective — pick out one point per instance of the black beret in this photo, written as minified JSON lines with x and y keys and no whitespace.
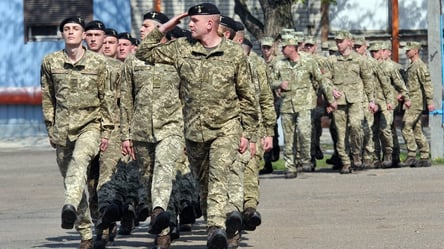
{"x":247,"y":42}
{"x":228,"y":22}
{"x":124,"y":35}
{"x":73,"y":19}
{"x":135,"y":41}
{"x":111,"y":32}
{"x":95,"y":25}
{"x":156,"y":16}
{"x":239,"y":26}
{"x":204,"y":9}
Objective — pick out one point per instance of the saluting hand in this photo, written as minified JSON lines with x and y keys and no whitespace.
{"x":172,"y":23}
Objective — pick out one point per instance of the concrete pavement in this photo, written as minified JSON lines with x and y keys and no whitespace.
{"x":390,"y":208}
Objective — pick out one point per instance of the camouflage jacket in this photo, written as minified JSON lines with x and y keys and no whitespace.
{"x":392,"y":70}
{"x":352,"y":76}
{"x":113,"y":84}
{"x":215,"y":85}
{"x":264,"y":96}
{"x":74,"y":96}
{"x":150,"y":105}
{"x":304,"y":81}
{"x":419,"y":84}
{"x":383,"y":92}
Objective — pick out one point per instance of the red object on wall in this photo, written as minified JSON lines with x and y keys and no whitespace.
{"x":20,"y":96}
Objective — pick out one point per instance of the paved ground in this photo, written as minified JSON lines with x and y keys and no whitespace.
{"x":393,"y":208}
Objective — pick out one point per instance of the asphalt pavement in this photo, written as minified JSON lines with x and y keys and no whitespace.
{"x":389,"y":208}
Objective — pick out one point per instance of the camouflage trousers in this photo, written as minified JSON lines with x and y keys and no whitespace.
{"x":382,"y":133}
{"x":236,"y":182}
{"x":251,"y":179}
{"x":368,"y":144}
{"x":296,"y":128}
{"x":348,"y":120}
{"x":413,"y":135}
{"x":108,"y":161}
{"x":184,"y":188}
{"x":157,"y":162}
{"x":73,"y":161}
{"x":211,"y":162}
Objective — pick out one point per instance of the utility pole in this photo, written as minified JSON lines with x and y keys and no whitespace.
{"x":435,"y":65}
{"x":395,"y":30}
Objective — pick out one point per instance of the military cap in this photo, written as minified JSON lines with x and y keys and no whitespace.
{"x":95,"y":25}
{"x":134,"y":41}
{"x":332,"y":46}
{"x":73,"y":19}
{"x":324,"y":45}
{"x":267,"y":41}
{"x":203,"y":9}
{"x":343,"y":34}
{"x":156,"y":16}
{"x":239,"y":26}
{"x":124,"y":35}
{"x":228,"y":22}
{"x":412,"y":45}
{"x":111,"y":32}
{"x":286,"y":33}
{"x":386,"y":45}
{"x":310,"y":40}
{"x":359,"y":40}
{"x":290,"y":41}
{"x":375,"y":46}
{"x":247,"y":42}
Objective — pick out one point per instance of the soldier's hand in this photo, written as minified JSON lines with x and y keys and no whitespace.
{"x":172,"y":23}
{"x":284,"y":85}
{"x":267,"y":143}
{"x":373,"y":107}
{"x":337,"y":94}
{"x":252,"y":149}
{"x":243,"y":145}
{"x":127,"y":149}
{"x":104,"y":144}
{"x":407,"y":104}
{"x":399,"y":97}
{"x":431,"y":107}
{"x":389,"y":106}
{"x":332,"y":107}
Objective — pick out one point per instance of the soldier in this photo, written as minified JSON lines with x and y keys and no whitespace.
{"x":352,"y":78}
{"x":219,"y":107}
{"x":401,"y":100}
{"x":270,"y":58}
{"x":152,"y":128}
{"x":382,"y":133}
{"x":77,"y":112}
{"x":421,"y":96}
{"x":298,"y":78}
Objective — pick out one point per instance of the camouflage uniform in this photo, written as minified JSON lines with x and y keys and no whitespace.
{"x":305,"y":79}
{"x":380,"y":130}
{"x":267,"y":122}
{"x":392,"y":70}
{"x":421,"y":95}
{"x":219,"y":108}
{"x":151,"y":117}
{"x":77,"y":112}
{"x":353,"y":77}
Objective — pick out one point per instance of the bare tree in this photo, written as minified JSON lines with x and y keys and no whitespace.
{"x":277,"y":15}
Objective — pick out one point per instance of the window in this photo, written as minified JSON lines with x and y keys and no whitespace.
{"x":42,"y":17}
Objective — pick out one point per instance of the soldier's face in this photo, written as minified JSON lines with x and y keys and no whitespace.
{"x":110,"y":45}
{"x":148,"y":26}
{"x":200,"y":25}
{"x":343,"y":44}
{"x":125,"y":48}
{"x":73,"y":34}
{"x":94,"y":39}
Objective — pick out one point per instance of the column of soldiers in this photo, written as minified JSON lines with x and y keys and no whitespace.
{"x":150,"y":125}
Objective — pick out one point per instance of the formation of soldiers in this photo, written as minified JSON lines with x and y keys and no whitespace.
{"x":176,"y":127}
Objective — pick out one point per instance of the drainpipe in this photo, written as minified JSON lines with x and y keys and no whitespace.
{"x":20,"y":96}
{"x":395,"y":30}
